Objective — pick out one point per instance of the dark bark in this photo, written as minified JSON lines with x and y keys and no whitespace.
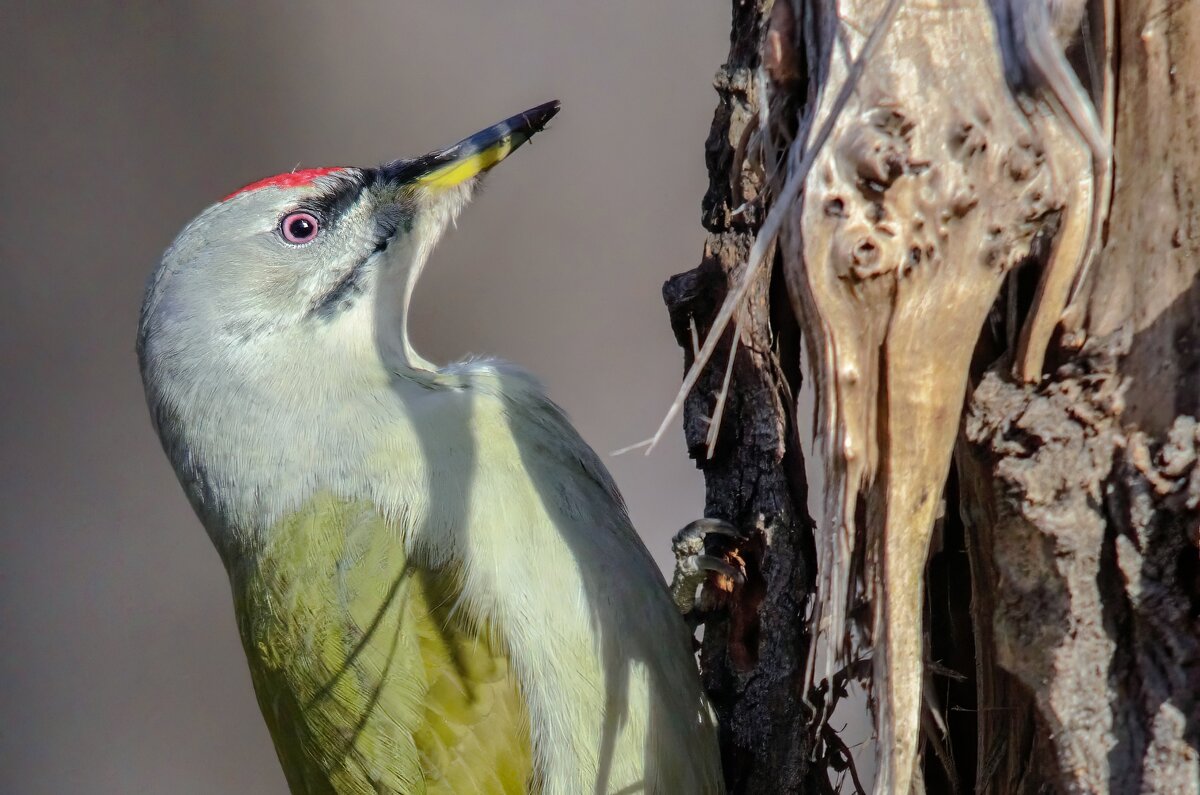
{"x":754,"y":650}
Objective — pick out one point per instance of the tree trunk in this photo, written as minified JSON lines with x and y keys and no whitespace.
{"x":753,"y":650}
{"x":992,"y":311}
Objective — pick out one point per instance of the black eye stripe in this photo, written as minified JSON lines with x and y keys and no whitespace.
{"x":331,"y":204}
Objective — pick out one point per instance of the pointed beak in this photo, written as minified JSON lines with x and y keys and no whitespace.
{"x":471,"y":157}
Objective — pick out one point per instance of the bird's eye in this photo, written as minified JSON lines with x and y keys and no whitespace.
{"x":299,"y":227}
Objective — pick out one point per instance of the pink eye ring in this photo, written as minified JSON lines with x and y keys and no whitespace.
{"x":299,"y":227}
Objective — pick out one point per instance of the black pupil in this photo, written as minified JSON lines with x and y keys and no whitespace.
{"x":301,"y":227}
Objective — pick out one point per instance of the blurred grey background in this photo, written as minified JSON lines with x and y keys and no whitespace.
{"x":120,"y":667}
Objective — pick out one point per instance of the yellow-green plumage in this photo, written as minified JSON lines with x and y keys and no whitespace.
{"x":369,"y":679}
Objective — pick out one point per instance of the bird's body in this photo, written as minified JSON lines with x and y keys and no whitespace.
{"x":431,"y":703}
{"x":436,"y":582}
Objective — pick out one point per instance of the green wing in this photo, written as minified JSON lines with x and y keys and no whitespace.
{"x":367,"y":678}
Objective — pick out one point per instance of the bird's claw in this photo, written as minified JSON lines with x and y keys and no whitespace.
{"x":693,"y":563}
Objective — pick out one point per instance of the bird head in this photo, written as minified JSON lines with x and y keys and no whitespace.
{"x":319,"y":262}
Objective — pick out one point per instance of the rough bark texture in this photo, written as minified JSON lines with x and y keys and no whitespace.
{"x":1080,"y":494}
{"x":754,"y":651}
{"x":1062,"y":585}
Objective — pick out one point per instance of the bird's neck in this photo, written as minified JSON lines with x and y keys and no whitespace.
{"x":399,"y":269}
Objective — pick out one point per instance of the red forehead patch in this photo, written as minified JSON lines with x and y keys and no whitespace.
{"x":291,"y":179}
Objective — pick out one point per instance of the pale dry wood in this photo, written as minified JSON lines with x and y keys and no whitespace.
{"x":934,"y":185}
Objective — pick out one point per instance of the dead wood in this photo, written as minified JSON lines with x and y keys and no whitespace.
{"x":1006,"y":368}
